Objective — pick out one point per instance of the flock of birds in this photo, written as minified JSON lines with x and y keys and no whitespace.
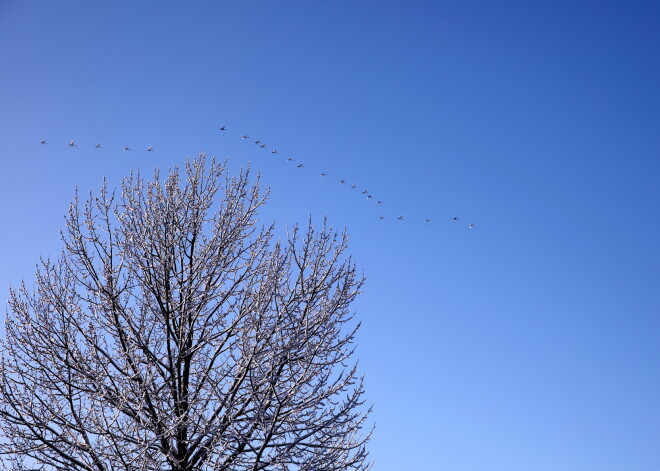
{"x":97,"y":145}
{"x":262,"y":145}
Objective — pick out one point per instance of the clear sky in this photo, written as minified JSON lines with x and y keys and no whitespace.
{"x":527,"y":343}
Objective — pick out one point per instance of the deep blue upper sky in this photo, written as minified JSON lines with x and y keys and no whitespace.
{"x":529,"y":342}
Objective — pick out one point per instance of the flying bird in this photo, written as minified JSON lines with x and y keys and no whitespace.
{"x":353,"y":185}
{"x":257,"y":142}
{"x":471,"y":226}
{"x":263,"y":146}
{"x":149,"y":149}
{"x":127,"y":148}
{"x":289,"y":159}
{"x":400,"y":218}
{"x":454,"y":219}
{"x":381,"y":216}
{"x":341,"y":182}
{"x":379,"y":202}
{"x":274,"y":151}
{"x":245,"y":136}
{"x":324,"y":174}
{"x":98,"y":146}
{"x":72,"y":144}
{"x":365,"y":192}
{"x":300,"y":165}
{"x":43,"y":141}
{"x":427,"y":220}
{"x":223,"y":128}
{"x":369,"y":197}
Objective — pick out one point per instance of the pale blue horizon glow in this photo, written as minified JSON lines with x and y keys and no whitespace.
{"x":528,"y":342}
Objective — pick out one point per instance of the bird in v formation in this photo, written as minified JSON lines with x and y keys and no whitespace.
{"x":262,"y":145}
{"x":341,"y":182}
{"x":98,"y":145}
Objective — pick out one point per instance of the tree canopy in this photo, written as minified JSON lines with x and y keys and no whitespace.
{"x":174,"y":332}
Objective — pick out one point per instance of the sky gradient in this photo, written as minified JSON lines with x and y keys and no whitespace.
{"x":528,"y":342}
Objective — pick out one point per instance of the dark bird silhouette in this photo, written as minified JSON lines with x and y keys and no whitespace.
{"x":369,"y":197}
{"x":72,"y":144}
{"x":427,"y":220}
{"x":274,"y":151}
{"x":98,"y":146}
{"x":471,"y":226}
{"x":400,"y":218}
{"x":245,"y":136}
{"x":263,"y":146}
{"x":257,"y":142}
{"x":365,"y":192}
{"x":149,"y":149}
{"x":353,"y":185}
{"x":299,"y":165}
{"x":289,"y":159}
{"x":379,"y":202}
{"x":223,"y":128}
{"x":454,"y":219}
{"x":127,"y":148}
{"x":43,"y":141}
{"x":341,"y":182}
{"x":324,"y":174}
{"x":381,"y":216}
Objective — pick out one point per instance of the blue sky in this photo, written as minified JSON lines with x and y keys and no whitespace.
{"x":529,"y":342}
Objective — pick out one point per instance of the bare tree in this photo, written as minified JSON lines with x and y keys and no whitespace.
{"x":174,"y":333}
